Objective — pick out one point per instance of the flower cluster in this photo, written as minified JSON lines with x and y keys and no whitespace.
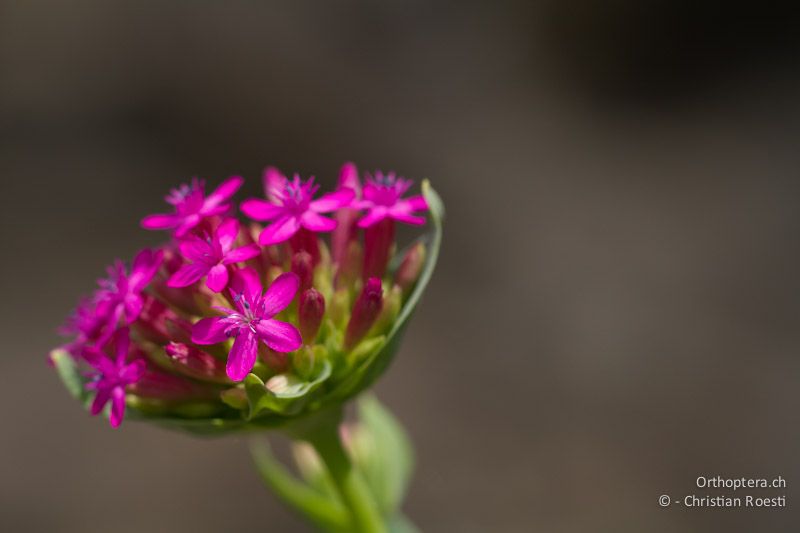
{"x":234,"y":319}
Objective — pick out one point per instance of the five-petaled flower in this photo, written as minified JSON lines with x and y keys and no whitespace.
{"x":212,"y":256}
{"x":382,"y":198}
{"x":291,"y":206}
{"x":110,"y":376}
{"x":192,"y":206}
{"x":251,"y":321}
{"x":120,"y":296}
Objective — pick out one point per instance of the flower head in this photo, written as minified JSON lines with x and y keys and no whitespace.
{"x":212,"y":257}
{"x":252,"y":321}
{"x":111,"y":375}
{"x":188,"y":334}
{"x":382,"y":198}
{"x":192,"y":206}
{"x":290,"y":205}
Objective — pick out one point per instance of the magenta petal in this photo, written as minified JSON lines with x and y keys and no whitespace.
{"x":348,"y":177}
{"x":280,"y":336}
{"x":187,"y":225}
{"x":314,"y":222}
{"x":274,"y":182}
{"x":100,"y":399}
{"x":117,"y":406}
{"x":415,"y":203}
{"x":258,"y":209}
{"x":279,"y":231}
{"x":133,"y":307}
{"x":333,"y":201}
{"x":226,"y":234}
{"x":133,"y":372}
{"x":247,"y":281}
{"x":209,"y":331}
{"x":375,"y":215}
{"x":408,"y":218}
{"x":187,"y":274}
{"x":242,"y":254}
{"x":242,"y":356}
{"x":194,"y":248}
{"x":280,"y":294}
{"x":227,"y":189}
{"x":217,"y":278}
{"x":145,"y":265}
{"x":160,"y":221}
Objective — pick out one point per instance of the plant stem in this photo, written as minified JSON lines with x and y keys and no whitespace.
{"x":324,"y":437}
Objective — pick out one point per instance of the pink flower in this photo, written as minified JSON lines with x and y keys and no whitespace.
{"x":192,"y":206}
{"x":211,"y":257}
{"x":252,"y":321}
{"x":110,"y":377}
{"x":120,"y":296}
{"x":291,"y":206}
{"x":382,"y":198}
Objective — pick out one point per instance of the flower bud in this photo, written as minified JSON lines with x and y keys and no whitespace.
{"x":195,"y":363}
{"x":392,"y":303}
{"x":276,"y":361}
{"x":179,"y":329}
{"x":409,"y":270}
{"x":366,"y":309}
{"x":378,"y":241}
{"x":302,"y":266}
{"x":306,"y":241}
{"x":168,"y":387}
{"x":311,"y":311}
{"x":154,"y":319}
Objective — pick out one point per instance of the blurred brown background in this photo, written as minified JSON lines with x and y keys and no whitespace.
{"x":616,"y":308}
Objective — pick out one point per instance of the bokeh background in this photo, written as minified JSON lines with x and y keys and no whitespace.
{"x":616,"y":308}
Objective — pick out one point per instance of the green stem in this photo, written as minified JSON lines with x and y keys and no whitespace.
{"x":324,"y":437}
{"x":327,"y":515}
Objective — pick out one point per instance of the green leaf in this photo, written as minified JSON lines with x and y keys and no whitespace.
{"x":382,"y":452}
{"x":285,"y":394}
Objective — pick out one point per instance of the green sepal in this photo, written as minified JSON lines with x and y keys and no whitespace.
{"x":289,"y":399}
{"x":68,"y":371}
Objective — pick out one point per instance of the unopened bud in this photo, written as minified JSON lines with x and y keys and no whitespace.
{"x":388,"y":315}
{"x":168,"y":387}
{"x":306,"y":241}
{"x":409,"y":270}
{"x":302,"y":265}
{"x":152,"y":322}
{"x":277,"y":362}
{"x":311,"y":311}
{"x":366,"y":309}
{"x":195,"y":363}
